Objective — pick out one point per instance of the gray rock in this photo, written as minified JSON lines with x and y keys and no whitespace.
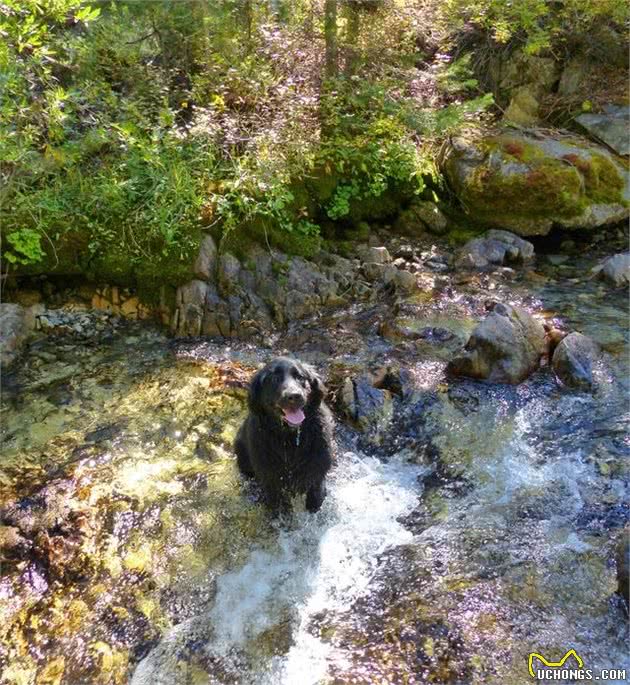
{"x":379,"y":272}
{"x":612,"y":127}
{"x":528,"y":183}
{"x":299,"y":305}
{"x":522,"y":69}
{"x":188,"y":323}
{"x":229,"y":270}
{"x":421,"y":217}
{"x":573,"y":76}
{"x":216,"y":315}
{"x":615,"y":269}
{"x":13,"y":331}
{"x":366,"y":406}
{"x":506,"y":347}
{"x":193,"y":292}
{"x":205,"y":266}
{"x":573,"y":361}
{"x":405,"y":281}
{"x":378,"y":255}
{"x":495,"y":248}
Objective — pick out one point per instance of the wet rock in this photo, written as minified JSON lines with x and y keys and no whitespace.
{"x":573,"y":360}
{"x":553,"y":337}
{"x":421,"y":217}
{"x":13,"y":331}
{"x":610,"y":127}
{"x":506,"y":347}
{"x":528,"y":183}
{"x":366,"y":406}
{"x":615,"y":270}
{"x":623,"y":565}
{"x":405,"y":281}
{"x":205,"y":265}
{"x":108,"y":432}
{"x":393,"y":378}
{"x":392,"y":330}
{"x":493,"y":249}
{"x":602,"y":517}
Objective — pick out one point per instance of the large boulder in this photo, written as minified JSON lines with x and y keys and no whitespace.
{"x":615,"y":270}
{"x":528,"y":183}
{"x":14,"y":329}
{"x":493,"y":249}
{"x":505,"y":347}
{"x":573,"y":360}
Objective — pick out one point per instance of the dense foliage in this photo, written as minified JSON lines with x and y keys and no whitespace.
{"x":127,"y":128}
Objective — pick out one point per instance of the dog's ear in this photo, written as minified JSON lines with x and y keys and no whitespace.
{"x":254,"y":399}
{"x":318,"y":389}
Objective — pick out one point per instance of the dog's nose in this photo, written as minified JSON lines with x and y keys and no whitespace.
{"x":292,"y":396}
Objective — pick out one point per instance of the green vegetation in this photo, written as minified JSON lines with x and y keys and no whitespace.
{"x":128,"y":128}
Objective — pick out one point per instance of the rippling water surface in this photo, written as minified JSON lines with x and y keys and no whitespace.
{"x":479,"y":526}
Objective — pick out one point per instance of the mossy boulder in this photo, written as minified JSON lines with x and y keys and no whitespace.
{"x":528,"y":183}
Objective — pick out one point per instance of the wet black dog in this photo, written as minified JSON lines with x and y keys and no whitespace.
{"x":286,"y":441}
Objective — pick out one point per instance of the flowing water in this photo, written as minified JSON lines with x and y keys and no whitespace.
{"x":475,"y":526}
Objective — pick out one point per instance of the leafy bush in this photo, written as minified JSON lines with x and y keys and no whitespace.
{"x":537,"y":23}
{"x":383,"y":156}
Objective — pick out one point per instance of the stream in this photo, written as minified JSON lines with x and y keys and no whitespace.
{"x":473,"y":525}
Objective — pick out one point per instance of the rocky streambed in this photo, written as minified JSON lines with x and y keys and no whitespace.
{"x":469,"y":523}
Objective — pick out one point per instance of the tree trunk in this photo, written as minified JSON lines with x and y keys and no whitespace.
{"x":330,"y":33}
{"x":353,"y":28}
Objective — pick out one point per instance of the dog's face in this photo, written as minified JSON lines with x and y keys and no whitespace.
{"x":286,"y":389}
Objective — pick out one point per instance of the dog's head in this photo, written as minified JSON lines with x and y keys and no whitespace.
{"x":286,"y":389}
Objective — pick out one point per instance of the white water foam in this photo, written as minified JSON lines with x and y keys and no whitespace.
{"x":321,"y":563}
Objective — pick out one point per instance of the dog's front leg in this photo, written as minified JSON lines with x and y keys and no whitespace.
{"x":315,"y":497}
{"x":277,"y":502}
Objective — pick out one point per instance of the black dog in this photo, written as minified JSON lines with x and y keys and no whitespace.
{"x":286,"y":441}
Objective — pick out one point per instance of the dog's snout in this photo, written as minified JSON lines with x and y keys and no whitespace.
{"x":292,"y":396}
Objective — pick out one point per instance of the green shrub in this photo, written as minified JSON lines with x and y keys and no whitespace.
{"x":539,"y":24}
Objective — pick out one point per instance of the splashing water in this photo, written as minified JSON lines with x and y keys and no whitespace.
{"x":318,"y":563}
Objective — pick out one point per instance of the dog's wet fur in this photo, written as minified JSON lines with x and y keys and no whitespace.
{"x":284,"y":455}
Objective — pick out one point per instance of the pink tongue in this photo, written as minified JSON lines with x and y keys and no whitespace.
{"x":295,"y":418}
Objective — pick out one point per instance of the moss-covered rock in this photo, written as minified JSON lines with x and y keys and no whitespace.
{"x":528,"y":183}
